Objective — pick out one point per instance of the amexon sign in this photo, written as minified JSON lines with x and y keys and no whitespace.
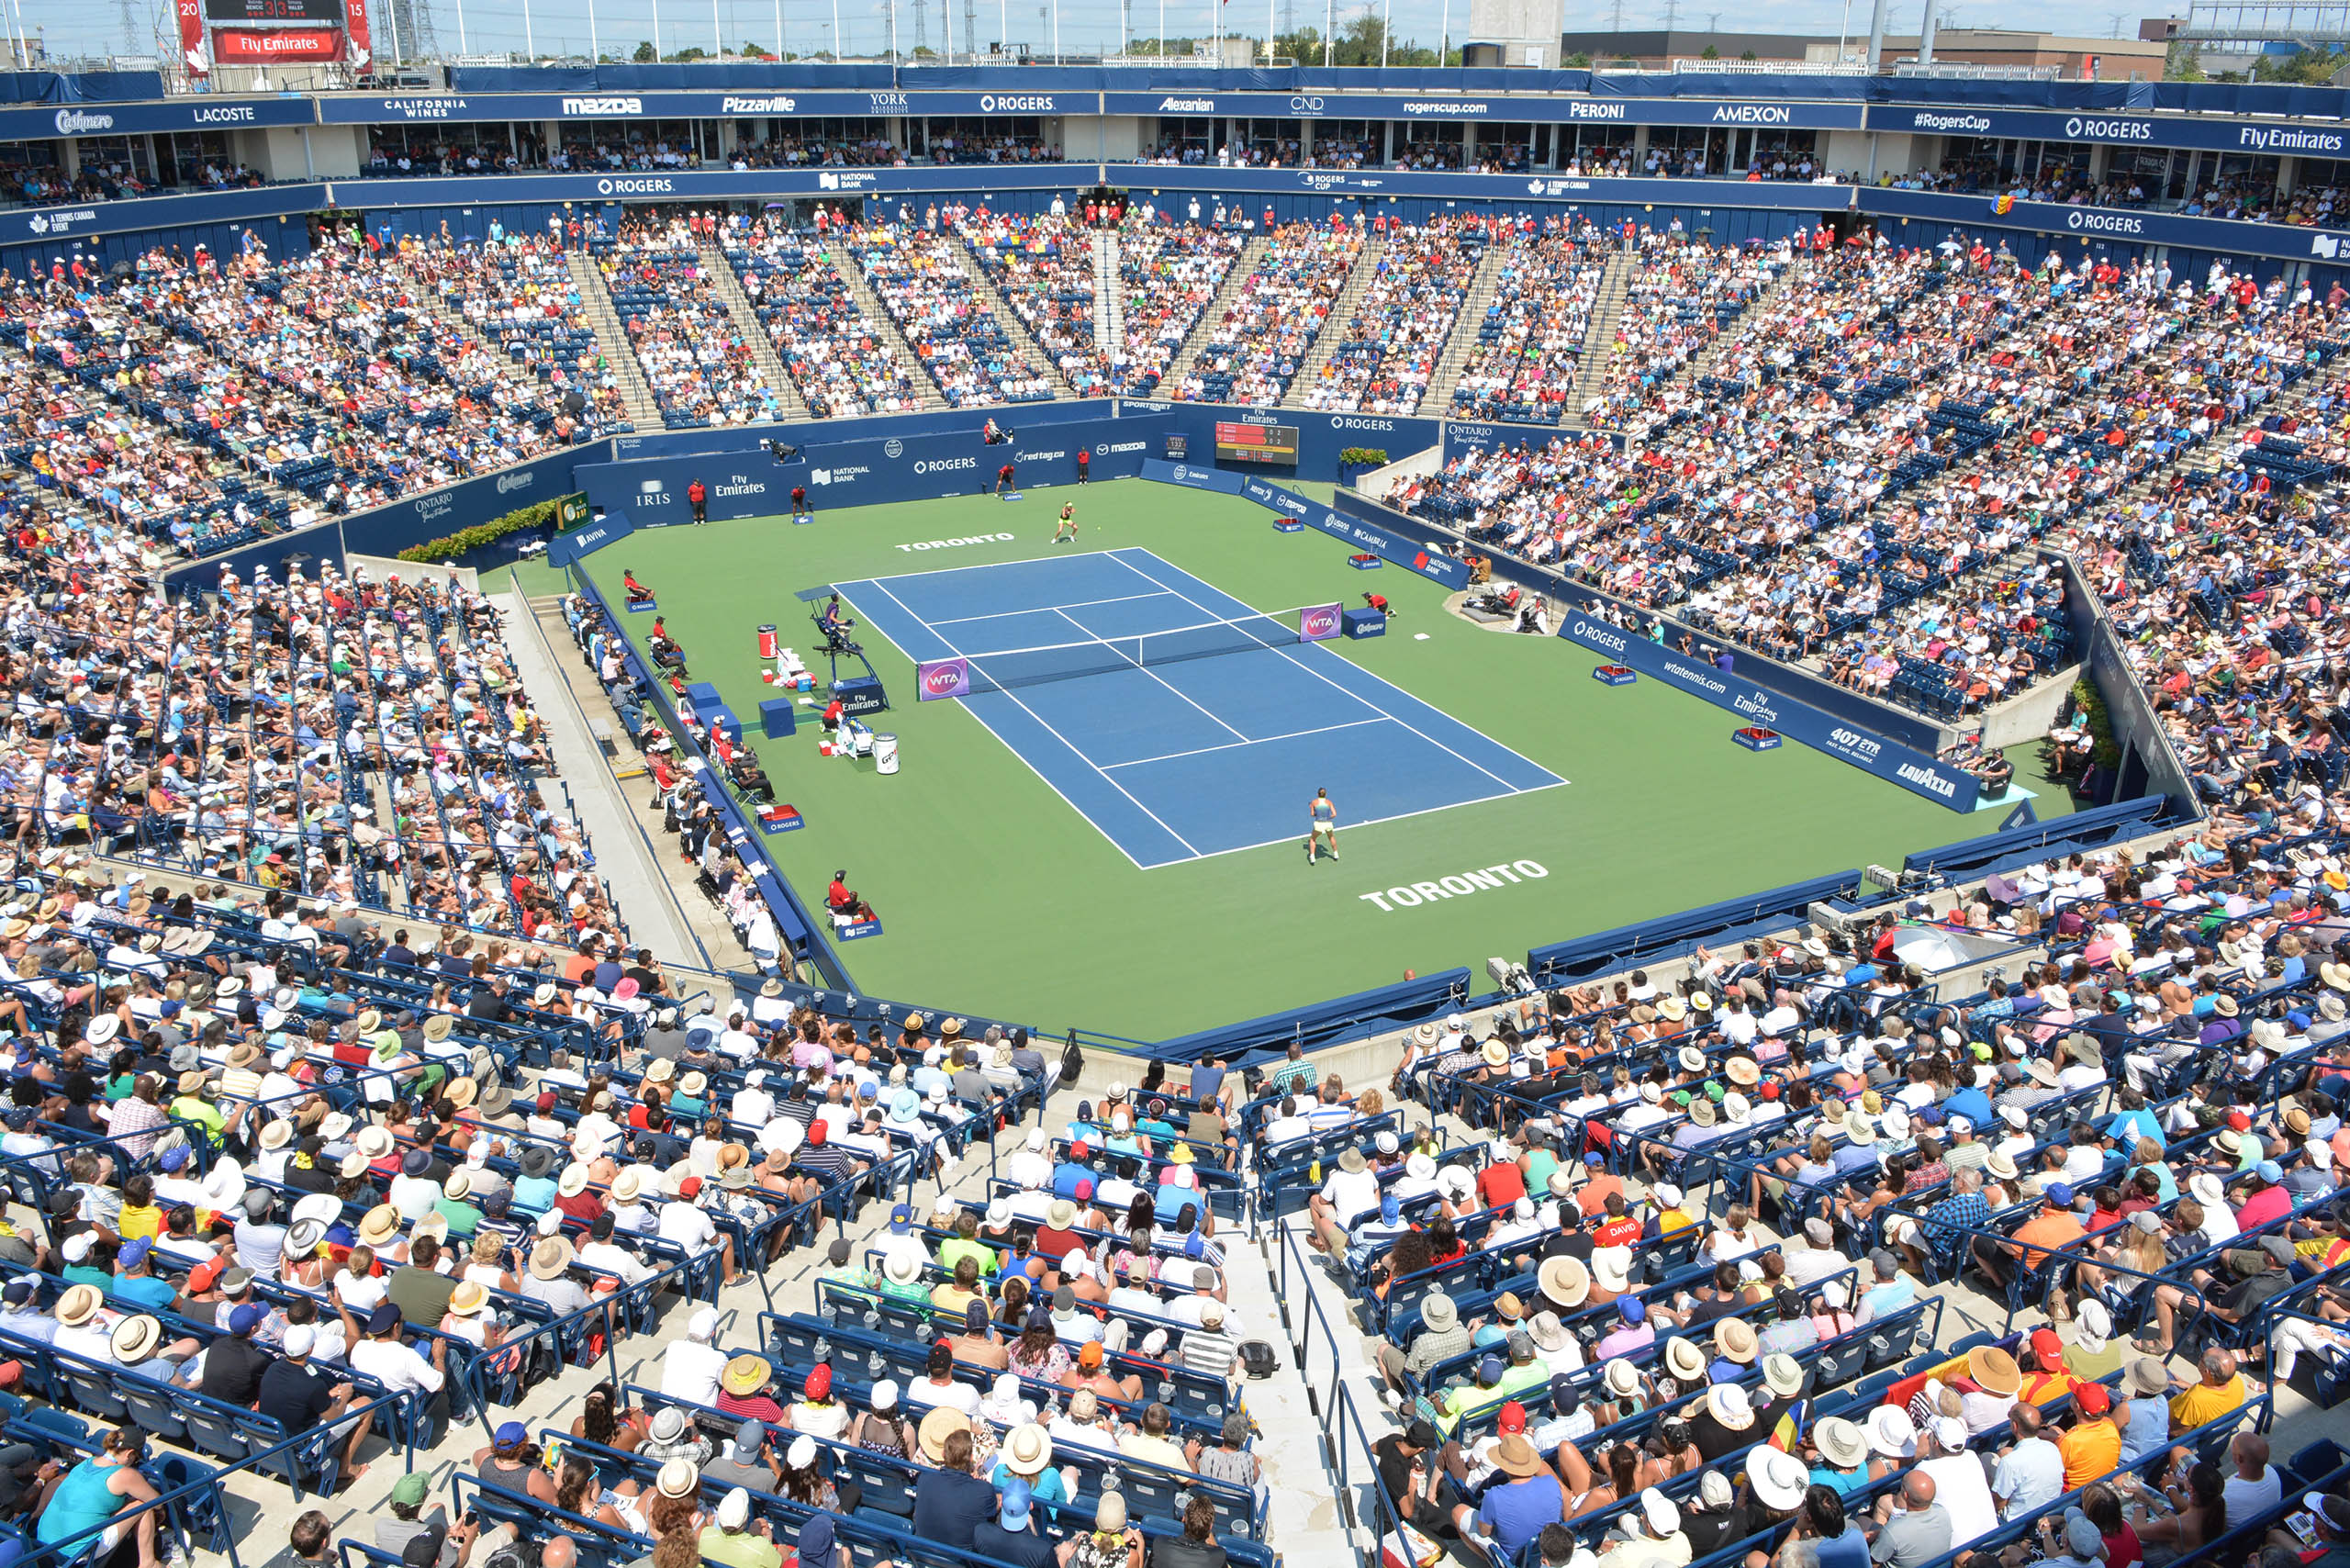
{"x":1799,"y":721}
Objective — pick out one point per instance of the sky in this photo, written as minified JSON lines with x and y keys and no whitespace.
{"x":1089,"y":26}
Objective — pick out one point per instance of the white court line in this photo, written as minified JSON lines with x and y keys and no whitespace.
{"x":988,"y":566}
{"x":1317,"y":675}
{"x":1259,"y":740}
{"x":1400,"y":816}
{"x":1043,"y":610}
{"x":1059,"y":736}
{"x":1154,"y":675}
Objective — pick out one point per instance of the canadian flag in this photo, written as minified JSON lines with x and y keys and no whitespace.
{"x":357,"y":45}
{"x":191,"y":38}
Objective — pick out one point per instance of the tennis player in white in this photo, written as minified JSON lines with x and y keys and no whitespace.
{"x":1324,"y":814}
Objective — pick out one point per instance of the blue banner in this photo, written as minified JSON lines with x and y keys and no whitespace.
{"x":1915,"y":771}
{"x":436,"y":514}
{"x":1410,"y":554}
{"x":751,"y":103}
{"x":1190,"y":476}
{"x":751,"y":438}
{"x":1450,"y":107}
{"x":176,"y":114}
{"x":51,"y":225}
{"x":2227,"y":135}
{"x":565,"y":548}
{"x":652,"y":491}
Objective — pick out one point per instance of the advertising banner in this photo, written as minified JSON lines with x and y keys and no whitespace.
{"x":2216,"y":133}
{"x":1190,"y":476}
{"x":200,"y":113}
{"x":1387,"y":544}
{"x":1320,"y":621}
{"x":249,"y":46}
{"x":1437,"y":108}
{"x":1915,"y":771}
{"x":650,"y":491}
{"x":571,"y":543}
{"x":937,"y":678}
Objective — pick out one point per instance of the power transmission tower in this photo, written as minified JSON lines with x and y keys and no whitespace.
{"x":971,"y":29}
{"x":1616,"y":17}
{"x":419,"y":39}
{"x":1289,"y":19}
{"x":130,"y":41}
{"x":921,"y":27}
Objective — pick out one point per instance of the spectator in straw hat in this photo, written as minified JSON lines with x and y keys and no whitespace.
{"x":950,"y":1501}
{"x":1514,"y":1513}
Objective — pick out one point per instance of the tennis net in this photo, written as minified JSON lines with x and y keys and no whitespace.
{"x":968,"y":674}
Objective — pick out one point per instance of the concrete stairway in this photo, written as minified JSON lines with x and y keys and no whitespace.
{"x":885,"y":327}
{"x":985,"y":296}
{"x":1337,"y":325}
{"x":746,"y":318}
{"x":1482,"y":285}
{"x":1599,"y":341}
{"x":1109,"y":296}
{"x":604,"y":320}
{"x":1243,"y":267}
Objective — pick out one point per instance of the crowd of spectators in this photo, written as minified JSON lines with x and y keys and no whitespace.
{"x":1530,"y":341}
{"x":695,"y":356}
{"x":1681,"y":298}
{"x":1404,"y":315}
{"x":917,"y":274}
{"x":1043,"y":269}
{"x":1262,"y":341}
{"x":837,"y":356}
{"x":1169,"y":273}
{"x":1853,"y":481}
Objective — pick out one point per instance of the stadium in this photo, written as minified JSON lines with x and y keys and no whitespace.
{"x":1550,"y":818}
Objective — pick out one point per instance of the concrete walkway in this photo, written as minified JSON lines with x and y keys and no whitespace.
{"x":647,"y":901}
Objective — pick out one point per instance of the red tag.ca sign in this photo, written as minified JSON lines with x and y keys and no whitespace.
{"x":238,"y":46}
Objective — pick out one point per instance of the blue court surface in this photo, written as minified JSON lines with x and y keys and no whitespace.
{"x":1200,"y":757}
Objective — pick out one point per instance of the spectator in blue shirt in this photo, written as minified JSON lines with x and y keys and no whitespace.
{"x":133,"y":1282}
{"x":1514,"y":1513}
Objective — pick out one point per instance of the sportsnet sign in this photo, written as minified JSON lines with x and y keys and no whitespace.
{"x":1896,"y":764}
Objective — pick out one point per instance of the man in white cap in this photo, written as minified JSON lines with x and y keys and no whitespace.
{"x":691,"y":1367}
{"x":736,"y":1540}
{"x":1656,"y":1540}
{"x":1960,"y":1485}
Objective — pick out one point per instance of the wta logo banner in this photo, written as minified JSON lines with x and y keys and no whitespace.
{"x":943,"y":677}
{"x":1320,"y":623}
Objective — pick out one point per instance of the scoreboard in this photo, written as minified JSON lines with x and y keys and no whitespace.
{"x":1243,"y":442}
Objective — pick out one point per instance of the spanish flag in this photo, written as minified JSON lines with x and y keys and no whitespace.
{"x":2004,"y":205}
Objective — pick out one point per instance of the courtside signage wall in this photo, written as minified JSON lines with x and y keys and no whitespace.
{"x":1410,"y":554}
{"x":1915,"y":771}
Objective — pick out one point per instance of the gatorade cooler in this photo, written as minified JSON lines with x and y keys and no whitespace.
{"x":885,"y":754}
{"x":767,"y":642}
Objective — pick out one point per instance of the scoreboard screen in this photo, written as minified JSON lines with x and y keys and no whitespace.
{"x":274,"y":13}
{"x":1256,"y":444}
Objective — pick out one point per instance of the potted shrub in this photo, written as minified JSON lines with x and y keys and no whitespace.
{"x":1356,"y":460}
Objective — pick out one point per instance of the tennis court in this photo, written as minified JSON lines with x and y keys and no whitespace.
{"x":1180,"y":721}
